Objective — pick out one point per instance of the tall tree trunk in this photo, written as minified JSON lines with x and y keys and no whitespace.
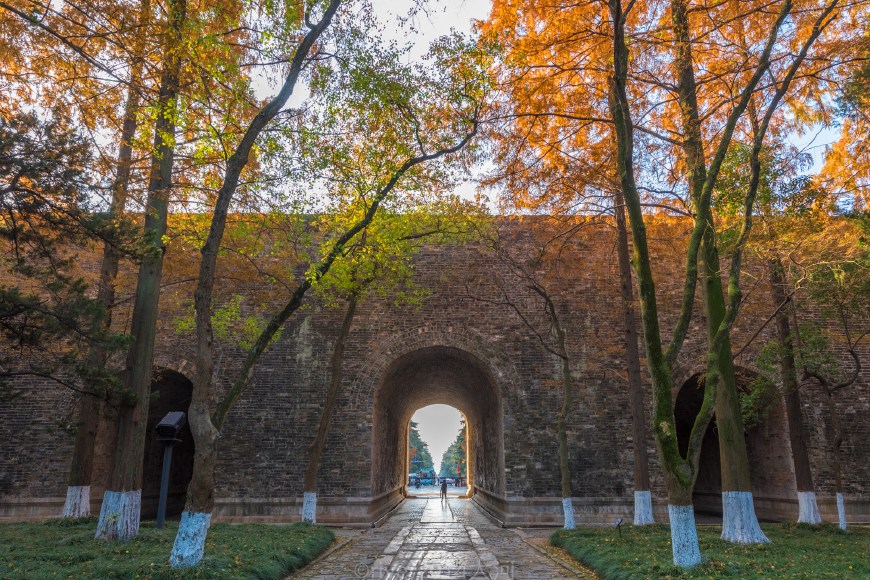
{"x":189,"y":545}
{"x":78,"y":491}
{"x":562,"y":428}
{"x":309,"y":499}
{"x":642,"y":497}
{"x":739,"y":521}
{"x":836,"y":458}
{"x":565,"y":409}
{"x":679,"y":472}
{"x":119,"y":515}
{"x":808,"y":511}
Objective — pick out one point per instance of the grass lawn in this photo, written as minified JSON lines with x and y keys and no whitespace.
{"x":64,"y":549}
{"x":795,"y":551}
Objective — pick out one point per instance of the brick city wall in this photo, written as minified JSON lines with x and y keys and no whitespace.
{"x":463,"y":346}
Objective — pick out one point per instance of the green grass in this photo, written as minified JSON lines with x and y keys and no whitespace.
{"x":795,"y":551}
{"x":64,"y":549}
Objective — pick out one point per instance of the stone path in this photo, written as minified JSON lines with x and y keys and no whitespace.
{"x":435,"y":540}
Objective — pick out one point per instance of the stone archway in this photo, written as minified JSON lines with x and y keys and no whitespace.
{"x":767,"y":445}
{"x":427,"y":376}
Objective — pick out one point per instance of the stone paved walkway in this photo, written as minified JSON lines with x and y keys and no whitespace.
{"x":435,"y":540}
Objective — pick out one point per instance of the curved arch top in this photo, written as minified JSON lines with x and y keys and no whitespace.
{"x":499,"y":367}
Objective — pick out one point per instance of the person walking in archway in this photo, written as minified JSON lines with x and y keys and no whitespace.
{"x":443,"y":489}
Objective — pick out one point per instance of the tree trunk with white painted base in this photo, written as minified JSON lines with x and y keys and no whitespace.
{"x":78,"y":491}
{"x":684,"y":536}
{"x":643,"y":513}
{"x":642,"y":498}
{"x":309,"y":507}
{"x":808,"y":508}
{"x":78,"y":502}
{"x":119,"y":515}
{"x":841,"y":511}
{"x":126,"y":482}
{"x":568,"y":512}
{"x":315,"y":452}
{"x":739,"y":524}
{"x":836,"y":445}
{"x":189,"y":545}
{"x":565,"y":409}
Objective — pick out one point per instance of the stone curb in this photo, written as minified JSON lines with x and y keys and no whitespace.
{"x":578,"y":572}
{"x":326,"y":554}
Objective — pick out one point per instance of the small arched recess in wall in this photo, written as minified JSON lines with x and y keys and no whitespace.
{"x":767,"y":444}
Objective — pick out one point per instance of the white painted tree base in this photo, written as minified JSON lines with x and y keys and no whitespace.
{"x":568,"y":510}
{"x":739,"y":523}
{"x":309,"y":507}
{"x":841,"y":511}
{"x":684,"y":536}
{"x":643,"y":515}
{"x":78,"y":502}
{"x":119,"y":515}
{"x":189,"y":544}
{"x":808,"y":508}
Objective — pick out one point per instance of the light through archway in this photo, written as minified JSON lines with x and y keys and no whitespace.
{"x":429,"y":376}
{"x":438,"y":451}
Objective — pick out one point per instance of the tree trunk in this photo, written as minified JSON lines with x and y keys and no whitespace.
{"x":679,"y":472}
{"x":119,"y":515}
{"x":78,"y":492}
{"x":309,"y":508}
{"x":836,"y":458}
{"x":565,"y":409}
{"x":739,"y":521}
{"x":562,"y":427}
{"x":808,"y":507}
{"x":642,"y":496}
{"x":189,"y":546}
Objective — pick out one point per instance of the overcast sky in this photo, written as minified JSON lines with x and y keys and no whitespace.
{"x":438,"y":426}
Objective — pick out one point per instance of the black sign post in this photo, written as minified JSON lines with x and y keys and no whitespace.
{"x":167,"y":432}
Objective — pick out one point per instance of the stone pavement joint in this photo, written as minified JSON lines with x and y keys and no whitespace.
{"x":435,"y":540}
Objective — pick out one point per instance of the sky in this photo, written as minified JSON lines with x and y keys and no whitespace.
{"x":436,"y":19}
{"x":438,"y":426}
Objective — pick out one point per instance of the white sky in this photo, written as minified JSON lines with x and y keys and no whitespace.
{"x":438,"y":426}
{"x":435,"y":19}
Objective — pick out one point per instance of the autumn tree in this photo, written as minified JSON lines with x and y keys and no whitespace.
{"x":76,"y":59}
{"x":373,"y":107}
{"x":99,"y":62}
{"x":739,"y":522}
{"x":681,"y":128}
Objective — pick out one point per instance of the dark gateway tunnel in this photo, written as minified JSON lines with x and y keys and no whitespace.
{"x":429,"y":376}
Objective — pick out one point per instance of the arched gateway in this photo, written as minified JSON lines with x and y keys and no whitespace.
{"x":429,"y":376}
{"x":428,"y":366}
